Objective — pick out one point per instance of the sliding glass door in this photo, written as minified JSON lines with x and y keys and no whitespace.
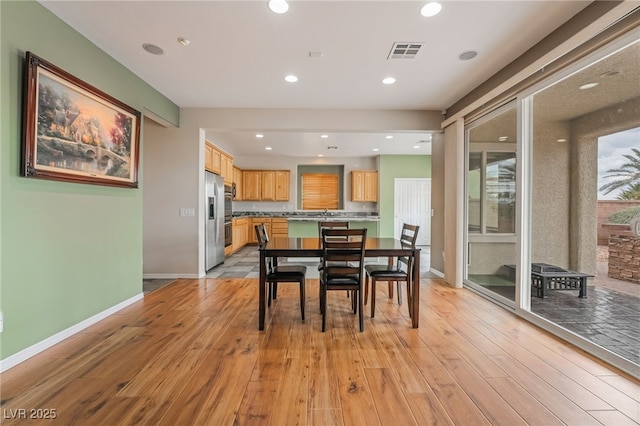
{"x":491,"y":204}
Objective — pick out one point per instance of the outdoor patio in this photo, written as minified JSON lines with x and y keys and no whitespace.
{"x":609,"y":316}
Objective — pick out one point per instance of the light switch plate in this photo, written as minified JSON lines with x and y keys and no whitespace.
{"x":187,"y":212}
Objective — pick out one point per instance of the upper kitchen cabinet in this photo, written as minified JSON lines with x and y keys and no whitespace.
{"x":226,"y":168}
{"x":282,"y":185}
{"x":208,"y":156}
{"x":251,"y":185}
{"x":268,"y":188}
{"x":266,"y":185}
{"x":218,"y":162}
{"x":364,"y":185}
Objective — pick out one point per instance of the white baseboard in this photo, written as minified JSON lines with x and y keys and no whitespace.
{"x":169,"y":276}
{"x":23,"y":355}
{"x":436,"y":272}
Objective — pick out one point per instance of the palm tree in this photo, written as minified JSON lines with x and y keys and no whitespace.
{"x":631,"y":193}
{"x":628,"y":174}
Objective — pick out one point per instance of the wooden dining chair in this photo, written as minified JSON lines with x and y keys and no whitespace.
{"x":399,"y":272}
{"x":343,"y":268}
{"x":330,"y":225}
{"x":275,"y":273}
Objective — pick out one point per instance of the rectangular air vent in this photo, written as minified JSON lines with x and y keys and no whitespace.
{"x":404,"y":50}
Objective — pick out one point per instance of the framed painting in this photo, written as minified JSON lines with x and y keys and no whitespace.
{"x":74,"y":132}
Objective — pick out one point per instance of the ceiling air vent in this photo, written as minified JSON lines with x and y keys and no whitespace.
{"x":404,"y":50}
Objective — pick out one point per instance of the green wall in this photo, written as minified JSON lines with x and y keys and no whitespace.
{"x":397,"y":166}
{"x":68,"y":251}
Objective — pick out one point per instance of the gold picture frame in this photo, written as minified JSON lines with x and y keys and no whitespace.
{"x":74,"y":132}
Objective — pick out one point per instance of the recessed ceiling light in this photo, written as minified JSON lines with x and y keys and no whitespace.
{"x":416,"y":146}
{"x":376,"y":149}
{"x":469,"y":54}
{"x":389,"y":137}
{"x":588,"y":86}
{"x":259,"y":135}
{"x":431,"y":9}
{"x":389,"y":80}
{"x":267,"y":148}
{"x":183,"y":41}
{"x":503,"y":138}
{"x":278,"y":6}
{"x":561,"y":140}
{"x":320,"y":155}
{"x":324,"y":136}
{"x":291,"y":78}
{"x":153,"y":49}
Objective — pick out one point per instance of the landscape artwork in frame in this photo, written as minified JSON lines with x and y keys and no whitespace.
{"x":74,"y":132}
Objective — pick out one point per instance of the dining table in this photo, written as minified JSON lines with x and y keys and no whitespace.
{"x":311,"y":248}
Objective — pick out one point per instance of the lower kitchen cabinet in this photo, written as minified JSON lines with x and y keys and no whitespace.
{"x":279,"y":227}
{"x":240,"y":233}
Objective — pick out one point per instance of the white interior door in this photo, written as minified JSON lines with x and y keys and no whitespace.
{"x":412,"y":204}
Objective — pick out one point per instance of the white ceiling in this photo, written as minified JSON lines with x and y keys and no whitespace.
{"x":240,"y":53}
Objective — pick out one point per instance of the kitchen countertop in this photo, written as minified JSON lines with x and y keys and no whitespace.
{"x":315,"y":216}
{"x":335,"y":218}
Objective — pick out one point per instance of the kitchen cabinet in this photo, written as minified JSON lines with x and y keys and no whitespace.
{"x":216,"y":161}
{"x":251,"y":185}
{"x":256,"y":221}
{"x":282,"y":178}
{"x":227,"y":169}
{"x":237,"y":179}
{"x":240,"y":233}
{"x":279,"y":227}
{"x":266,"y":185}
{"x":208,"y":156}
{"x":364,"y":185}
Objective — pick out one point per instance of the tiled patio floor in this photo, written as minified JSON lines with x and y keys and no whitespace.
{"x":606,"y":317}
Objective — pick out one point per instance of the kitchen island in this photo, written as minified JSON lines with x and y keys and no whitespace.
{"x":305,"y":227}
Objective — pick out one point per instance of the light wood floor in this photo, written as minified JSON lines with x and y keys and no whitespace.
{"x":191,"y":354}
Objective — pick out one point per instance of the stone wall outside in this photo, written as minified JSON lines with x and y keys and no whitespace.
{"x":624,"y":256}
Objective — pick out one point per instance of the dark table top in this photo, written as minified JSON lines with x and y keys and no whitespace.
{"x":303,"y":247}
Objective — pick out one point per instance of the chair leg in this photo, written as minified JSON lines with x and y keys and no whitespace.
{"x":324,"y":308}
{"x":366,"y":289}
{"x":302,"y":298}
{"x":399,"y":293}
{"x":373,"y":297}
{"x":360,"y":309}
{"x":390,"y":284}
{"x":269,"y":293}
{"x":275,"y":290}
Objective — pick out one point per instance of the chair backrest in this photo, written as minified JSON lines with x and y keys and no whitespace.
{"x":261,"y":234}
{"x":408,"y":237}
{"x":332,"y":225}
{"x":409,"y":234}
{"x":343,"y":252}
{"x":263,"y":239}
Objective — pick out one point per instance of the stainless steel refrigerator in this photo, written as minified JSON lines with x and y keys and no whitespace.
{"x":214,"y":220}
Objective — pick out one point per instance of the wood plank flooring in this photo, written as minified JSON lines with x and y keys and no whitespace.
{"x":191,"y":354}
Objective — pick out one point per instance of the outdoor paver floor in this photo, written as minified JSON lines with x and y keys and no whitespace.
{"x":608,"y":318}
